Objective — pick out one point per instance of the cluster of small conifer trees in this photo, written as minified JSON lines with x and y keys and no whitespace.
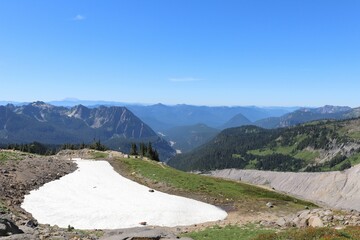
{"x":96,"y":145}
{"x":144,"y":151}
{"x":52,"y":149}
{"x":34,"y":147}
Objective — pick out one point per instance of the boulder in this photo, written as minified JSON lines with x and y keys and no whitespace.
{"x":304,"y":214}
{"x":269,"y":205}
{"x":315,"y":221}
{"x":7,"y":227}
{"x":281,"y":222}
{"x":328,"y":212}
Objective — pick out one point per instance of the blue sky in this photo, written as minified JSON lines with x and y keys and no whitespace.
{"x":253,"y":52}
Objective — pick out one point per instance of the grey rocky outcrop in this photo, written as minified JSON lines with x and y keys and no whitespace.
{"x":8,"y":227}
{"x":317,"y":218}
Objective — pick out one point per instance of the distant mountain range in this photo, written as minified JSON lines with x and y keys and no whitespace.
{"x":184,"y":126}
{"x":309,"y":114}
{"x":186,"y":138}
{"x":115,"y":126}
{"x":162,"y":117}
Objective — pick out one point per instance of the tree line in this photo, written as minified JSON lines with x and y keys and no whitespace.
{"x":52,"y":149}
{"x":144,"y":151}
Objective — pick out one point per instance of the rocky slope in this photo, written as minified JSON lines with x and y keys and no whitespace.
{"x":21,"y":173}
{"x":338,"y":189}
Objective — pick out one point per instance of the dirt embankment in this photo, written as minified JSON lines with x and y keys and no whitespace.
{"x":339,"y":190}
{"x":19,"y":177}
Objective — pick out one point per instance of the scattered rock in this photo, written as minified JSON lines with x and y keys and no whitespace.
{"x":319,"y":218}
{"x":281,"y":222}
{"x":304,"y":214}
{"x":151,"y":190}
{"x":141,"y":233}
{"x":142,"y":223}
{"x":32,"y":223}
{"x":269,"y":205}
{"x":315,"y":221}
{"x":19,"y":178}
{"x":7,"y":227}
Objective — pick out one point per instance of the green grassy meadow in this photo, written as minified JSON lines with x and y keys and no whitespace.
{"x":225,"y":191}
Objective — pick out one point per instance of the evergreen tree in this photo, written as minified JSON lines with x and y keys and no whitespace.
{"x":156,"y":156}
{"x":133,"y":149}
{"x":96,"y":145}
{"x":149,"y":151}
{"x":142,"y":149}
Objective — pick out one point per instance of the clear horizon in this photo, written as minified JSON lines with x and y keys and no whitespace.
{"x":75,"y":100}
{"x":213,"y":53}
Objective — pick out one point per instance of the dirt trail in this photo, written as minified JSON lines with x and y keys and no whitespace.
{"x":334,"y":189}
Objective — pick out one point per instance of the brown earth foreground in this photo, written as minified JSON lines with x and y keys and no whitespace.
{"x":26,"y":172}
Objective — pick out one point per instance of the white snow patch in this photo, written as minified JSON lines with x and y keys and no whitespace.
{"x":161,"y":134}
{"x":178,"y":151}
{"x":97,"y":197}
{"x":172,"y":143}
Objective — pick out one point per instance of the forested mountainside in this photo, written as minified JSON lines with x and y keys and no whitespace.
{"x":315,"y":146}
{"x":116,"y":127}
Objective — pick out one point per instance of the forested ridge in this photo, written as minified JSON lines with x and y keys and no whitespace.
{"x":299,"y":148}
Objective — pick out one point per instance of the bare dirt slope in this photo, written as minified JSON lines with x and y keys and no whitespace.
{"x":28,"y":172}
{"x":335,"y":189}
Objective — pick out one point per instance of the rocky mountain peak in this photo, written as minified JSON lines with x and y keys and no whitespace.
{"x":332,"y":109}
{"x":41,"y":104}
{"x":79,"y":111}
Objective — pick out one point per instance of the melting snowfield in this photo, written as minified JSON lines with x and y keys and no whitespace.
{"x":97,"y":197}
